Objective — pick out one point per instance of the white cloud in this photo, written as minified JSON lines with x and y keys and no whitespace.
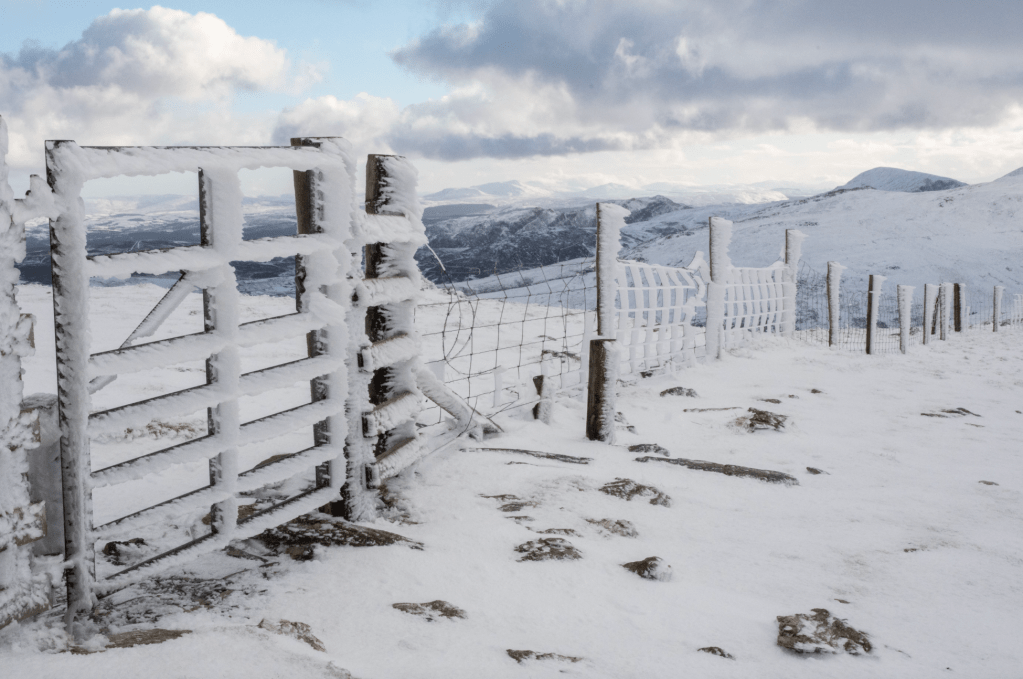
{"x":142,"y":77}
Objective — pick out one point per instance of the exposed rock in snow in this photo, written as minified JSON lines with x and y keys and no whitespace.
{"x":905,"y":181}
{"x":522,"y":656}
{"x":615,"y":527}
{"x":297,"y":538}
{"x":432,"y":610}
{"x":819,"y":632}
{"x":535,"y":453}
{"x":727,"y":469}
{"x":548,"y":549}
{"x":679,"y":391}
{"x":649,"y":448}
{"x":715,"y":650}
{"x":650,"y":568}
{"x":762,"y":419}
{"x":295,"y":630}
{"x":627,"y":489}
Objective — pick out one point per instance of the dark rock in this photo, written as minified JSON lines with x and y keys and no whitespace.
{"x":535,"y":453}
{"x":727,"y":469}
{"x":142,"y":637}
{"x":764,"y":419}
{"x":559,"y":531}
{"x":649,"y":448}
{"x":120,"y":552}
{"x":819,"y":632}
{"x":522,"y":656}
{"x":516,"y":506}
{"x":297,"y":538}
{"x":432,"y":610}
{"x":989,"y":483}
{"x":521,"y":519}
{"x":708,"y":410}
{"x":679,"y":391}
{"x":793,"y":396}
{"x":814,"y":470}
{"x":627,"y":489}
{"x":651,"y":568}
{"x":771,"y":400}
{"x":714,"y":650}
{"x":548,"y":549}
{"x":502,"y":498}
{"x":945,"y":412}
{"x":616,"y":527}
{"x":816,"y":391}
{"x":620,"y":419}
{"x":295,"y":630}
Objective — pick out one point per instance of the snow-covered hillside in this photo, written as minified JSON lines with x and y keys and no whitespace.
{"x":894,"y":179}
{"x":971,"y":234}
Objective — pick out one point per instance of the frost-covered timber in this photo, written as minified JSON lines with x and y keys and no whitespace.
{"x":905,"y":293}
{"x":793,"y":253}
{"x":325,"y":252}
{"x":996,"y":308}
{"x":873,"y":305}
{"x":930,"y":300}
{"x":387,"y":440}
{"x":24,"y":587}
{"x":834,"y":298}
{"x":610,"y":220}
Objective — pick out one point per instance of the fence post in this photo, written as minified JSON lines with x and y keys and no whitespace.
{"x":930,"y":297}
{"x":873,"y":305}
{"x":834,"y":311}
{"x":720,"y":271}
{"x":958,"y":307}
{"x":946,"y":309}
{"x":610,"y":220}
{"x":996,"y":308}
{"x":793,"y":251}
{"x":905,"y":293}
{"x":600,"y":401}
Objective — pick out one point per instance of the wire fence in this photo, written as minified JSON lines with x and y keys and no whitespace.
{"x":487,"y":337}
{"x":976,"y":313}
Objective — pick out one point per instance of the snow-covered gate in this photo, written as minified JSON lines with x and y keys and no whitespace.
{"x":742,"y":301}
{"x":649,"y":308}
{"x":362,"y":351}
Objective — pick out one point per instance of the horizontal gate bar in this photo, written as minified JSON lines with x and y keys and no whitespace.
{"x":182,"y":453}
{"x":390,"y":414}
{"x":250,"y":527}
{"x":287,"y":421}
{"x":388,"y":352}
{"x":159,"y":354}
{"x":399,"y":458}
{"x":269,"y":330}
{"x":388,"y":290}
{"x":182,"y":504}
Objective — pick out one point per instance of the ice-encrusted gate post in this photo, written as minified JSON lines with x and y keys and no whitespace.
{"x":873,"y":307}
{"x":834,"y":302}
{"x":388,"y":297}
{"x":603,"y":355}
{"x":793,"y":252}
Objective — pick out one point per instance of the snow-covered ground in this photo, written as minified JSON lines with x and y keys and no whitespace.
{"x":898,"y":535}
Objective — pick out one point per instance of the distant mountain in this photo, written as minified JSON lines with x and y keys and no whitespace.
{"x":905,"y":181}
{"x":1015,"y":173}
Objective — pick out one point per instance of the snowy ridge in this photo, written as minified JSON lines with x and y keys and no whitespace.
{"x":894,"y":179}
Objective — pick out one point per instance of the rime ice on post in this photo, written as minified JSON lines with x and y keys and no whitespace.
{"x":793,"y":252}
{"x":945,"y":297}
{"x":873,"y":306}
{"x":996,"y":308}
{"x":930,"y":298}
{"x":610,"y":220}
{"x":905,"y":293}
{"x":720,"y":274}
{"x":23,"y":592}
{"x":834,"y":309}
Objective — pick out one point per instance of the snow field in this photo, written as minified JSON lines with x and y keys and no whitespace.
{"x":742,"y":551}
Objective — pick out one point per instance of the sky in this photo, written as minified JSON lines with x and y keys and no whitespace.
{"x":564,"y":92}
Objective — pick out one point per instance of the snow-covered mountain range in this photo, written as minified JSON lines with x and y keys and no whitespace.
{"x":898,"y":227}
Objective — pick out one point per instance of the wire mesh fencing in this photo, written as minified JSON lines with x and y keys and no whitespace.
{"x":487,"y":337}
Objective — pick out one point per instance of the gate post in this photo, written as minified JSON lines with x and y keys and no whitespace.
{"x":600,"y":401}
{"x":720,"y":270}
{"x":930,"y":297}
{"x":905,"y":293}
{"x":996,"y":308}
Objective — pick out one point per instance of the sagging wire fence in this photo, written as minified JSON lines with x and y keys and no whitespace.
{"x":486,"y":337}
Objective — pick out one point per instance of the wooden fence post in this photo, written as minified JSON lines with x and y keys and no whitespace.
{"x":958,"y":307}
{"x":610,"y":218}
{"x":996,"y":308}
{"x":905,"y":293}
{"x":720,"y":271}
{"x":946,"y":309}
{"x":873,"y":305}
{"x":930,"y":297}
{"x":600,"y":401}
{"x":834,"y":312}
{"x":793,"y":251}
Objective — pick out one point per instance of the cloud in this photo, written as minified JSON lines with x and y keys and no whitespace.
{"x":648,"y":72}
{"x":141,"y":76}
